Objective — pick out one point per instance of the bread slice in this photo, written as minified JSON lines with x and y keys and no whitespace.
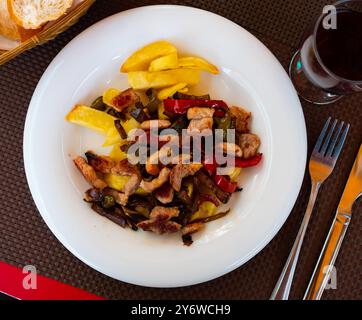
{"x":32,"y":14}
{"x":8,"y":27}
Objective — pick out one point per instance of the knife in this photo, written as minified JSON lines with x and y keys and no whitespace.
{"x":327,"y":258}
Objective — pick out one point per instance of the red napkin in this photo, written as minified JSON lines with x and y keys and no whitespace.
{"x":11,"y":283}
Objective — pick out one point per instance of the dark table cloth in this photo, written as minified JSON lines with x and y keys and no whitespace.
{"x":25,"y":239}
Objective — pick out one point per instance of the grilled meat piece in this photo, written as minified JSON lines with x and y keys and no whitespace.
{"x":192,"y":228}
{"x":151,"y":186}
{"x":242,"y":119}
{"x":89,"y":173}
{"x":124,"y":100}
{"x":249,"y":143}
{"x":160,"y":124}
{"x":231,"y":149}
{"x":101,"y":164}
{"x":159,"y":221}
{"x":203,"y":126}
{"x":198,"y":113}
{"x":165,"y":194}
{"x":124,"y":168}
{"x":181,"y":171}
{"x":120,"y":197}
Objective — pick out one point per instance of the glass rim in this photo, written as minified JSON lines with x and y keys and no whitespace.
{"x":326,"y":69}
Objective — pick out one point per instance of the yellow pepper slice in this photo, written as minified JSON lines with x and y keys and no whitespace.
{"x":117,"y":154}
{"x":190,"y":189}
{"x":163,"y":63}
{"x":91,"y":118}
{"x":207,"y":209}
{"x":161,"y":115}
{"x":141,"y":59}
{"x":118,"y":183}
{"x":197,"y":63}
{"x":113,"y":136}
{"x":169,"y":92}
{"x":234,"y":174}
{"x":143,"y":80}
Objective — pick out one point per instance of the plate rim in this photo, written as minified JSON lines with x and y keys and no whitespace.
{"x":38,"y":198}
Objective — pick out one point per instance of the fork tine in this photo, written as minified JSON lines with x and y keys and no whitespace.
{"x":340,"y":144}
{"x":328,"y":139}
{"x":321,"y":136}
{"x":335,"y":139}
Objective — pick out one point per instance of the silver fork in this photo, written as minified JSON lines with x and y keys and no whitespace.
{"x":321,"y":165}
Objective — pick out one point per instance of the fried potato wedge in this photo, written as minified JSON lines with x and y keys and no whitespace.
{"x":197,"y":63}
{"x":164,"y":63}
{"x":130,"y":125}
{"x":91,"y":118}
{"x":170,"y":91}
{"x":141,"y":59}
{"x":143,"y":80}
{"x":101,"y":122}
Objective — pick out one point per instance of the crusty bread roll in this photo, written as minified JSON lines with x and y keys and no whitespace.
{"x":8,"y":27}
{"x":21,"y":19}
{"x":32,"y":14}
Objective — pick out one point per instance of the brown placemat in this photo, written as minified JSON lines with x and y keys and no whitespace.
{"x":25,"y":239}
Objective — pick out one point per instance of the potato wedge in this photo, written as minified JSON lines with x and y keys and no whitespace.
{"x":130,"y":124}
{"x":169,"y":92}
{"x":197,"y":63}
{"x":164,"y":63}
{"x":184,"y":90}
{"x":143,"y":80}
{"x":112,"y":139}
{"x":101,"y":122}
{"x":141,"y":59}
{"x":91,"y":118}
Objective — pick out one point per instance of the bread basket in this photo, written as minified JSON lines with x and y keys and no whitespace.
{"x":49,"y":33}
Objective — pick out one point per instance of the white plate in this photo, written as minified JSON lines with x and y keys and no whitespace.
{"x":251,"y":77}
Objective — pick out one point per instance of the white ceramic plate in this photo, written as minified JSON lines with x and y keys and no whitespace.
{"x":251,"y":77}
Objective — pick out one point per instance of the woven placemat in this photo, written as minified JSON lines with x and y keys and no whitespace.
{"x":25,"y":239}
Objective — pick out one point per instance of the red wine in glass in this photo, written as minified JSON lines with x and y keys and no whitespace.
{"x":329,"y":63}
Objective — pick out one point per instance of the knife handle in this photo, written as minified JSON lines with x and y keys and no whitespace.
{"x":322,"y":271}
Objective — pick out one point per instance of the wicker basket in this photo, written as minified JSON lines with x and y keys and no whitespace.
{"x":49,"y":33}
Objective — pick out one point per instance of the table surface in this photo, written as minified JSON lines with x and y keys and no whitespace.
{"x":25,"y":239}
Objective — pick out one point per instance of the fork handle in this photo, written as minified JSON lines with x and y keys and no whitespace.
{"x":282,"y":288}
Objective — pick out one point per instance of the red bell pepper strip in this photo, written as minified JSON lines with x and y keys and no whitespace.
{"x":246,"y":163}
{"x":225,"y":185}
{"x":210,"y":167}
{"x":181,"y":106}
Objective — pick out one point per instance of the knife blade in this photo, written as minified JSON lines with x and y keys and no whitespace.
{"x":332,"y":245}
